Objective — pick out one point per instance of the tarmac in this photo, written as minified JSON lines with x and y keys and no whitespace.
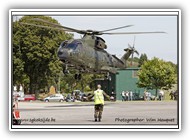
{"x":115,"y":113}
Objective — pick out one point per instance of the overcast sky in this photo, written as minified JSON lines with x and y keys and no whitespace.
{"x":163,"y":46}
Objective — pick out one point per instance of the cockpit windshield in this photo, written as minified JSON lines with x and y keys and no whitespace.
{"x":63,"y":44}
{"x":73,"y":45}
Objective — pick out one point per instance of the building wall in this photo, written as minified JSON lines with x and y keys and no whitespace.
{"x":107,"y":85}
{"x":124,"y":80}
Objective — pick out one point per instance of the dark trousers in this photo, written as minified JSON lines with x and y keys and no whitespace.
{"x":123,"y":98}
{"x":98,"y":109}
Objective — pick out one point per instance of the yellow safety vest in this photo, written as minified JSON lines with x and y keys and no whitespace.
{"x":98,"y":97}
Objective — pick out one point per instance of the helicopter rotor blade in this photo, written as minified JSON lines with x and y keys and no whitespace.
{"x":89,"y":32}
{"x":60,"y":26}
{"x":134,"y":42}
{"x":116,"y":28}
{"x":136,"y":52}
{"x":123,"y":33}
{"x":129,"y":45}
{"x":41,"y":26}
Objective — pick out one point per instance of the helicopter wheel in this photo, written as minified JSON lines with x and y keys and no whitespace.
{"x":66,"y":72}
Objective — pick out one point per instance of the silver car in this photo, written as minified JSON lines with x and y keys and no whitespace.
{"x":54,"y":98}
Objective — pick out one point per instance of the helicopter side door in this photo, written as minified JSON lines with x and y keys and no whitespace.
{"x":101,"y":59}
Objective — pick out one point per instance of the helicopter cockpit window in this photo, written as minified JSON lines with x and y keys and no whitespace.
{"x":63,"y":44}
{"x":73,"y":45}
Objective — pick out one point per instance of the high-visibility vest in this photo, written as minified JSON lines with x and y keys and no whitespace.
{"x":98,"y":97}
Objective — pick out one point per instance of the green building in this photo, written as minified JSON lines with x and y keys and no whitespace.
{"x":124,"y":80}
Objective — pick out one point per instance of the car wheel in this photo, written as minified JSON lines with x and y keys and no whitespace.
{"x":46,"y":101}
{"x":61,"y":100}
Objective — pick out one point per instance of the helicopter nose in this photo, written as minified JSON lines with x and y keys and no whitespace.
{"x":63,"y":54}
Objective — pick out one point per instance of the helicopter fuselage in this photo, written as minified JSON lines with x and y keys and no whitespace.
{"x":88,"y":56}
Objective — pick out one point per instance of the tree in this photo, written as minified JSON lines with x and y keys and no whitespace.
{"x":142,"y":59}
{"x":35,"y":59}
{"x":69,"y":83}
{"x":156,"y":74}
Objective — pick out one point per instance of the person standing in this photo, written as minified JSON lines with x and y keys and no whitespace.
{"x":171,"y":95}
{"x":15,"y":101}
{"x":112,"y":98}
{"x":131,"y":95}
{"x":127,"y":95}
{"x":123,"y":96}
{"x":98,"y":102}
{"x":145,"y":95}
{"x":15,"y":112}
{"x":149,"y":96}
{"x":161,"y":95}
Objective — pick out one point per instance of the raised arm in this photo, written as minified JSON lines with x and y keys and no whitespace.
{"x":107,"y":96}
{"x":90,"y":96}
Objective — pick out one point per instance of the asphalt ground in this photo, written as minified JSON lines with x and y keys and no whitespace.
{"x":122,"y":113}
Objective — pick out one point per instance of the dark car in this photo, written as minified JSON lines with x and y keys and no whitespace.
{"x":69,"y":98}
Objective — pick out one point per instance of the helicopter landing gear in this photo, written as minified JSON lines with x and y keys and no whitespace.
{"x":65,"y":70}
{"x":108,"y":77}
{"x":78,"y":76}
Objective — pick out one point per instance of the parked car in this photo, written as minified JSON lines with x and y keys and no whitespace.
{"x":69,"y":98}
{"x":54,"y":98}
{"x":29,"y":98}
{"x":18,"y":94}
{"x":79,"y":95}
{"x":20,"y":98}
{"x":26,"y":98}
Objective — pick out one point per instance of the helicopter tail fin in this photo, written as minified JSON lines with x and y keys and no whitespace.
{"x":126,"y":56}
{"x":128,"y":52}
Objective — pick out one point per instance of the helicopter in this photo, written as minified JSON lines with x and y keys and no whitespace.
{"x":88,"y":54}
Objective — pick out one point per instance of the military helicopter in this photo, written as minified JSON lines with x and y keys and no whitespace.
{"x":88,"y":54}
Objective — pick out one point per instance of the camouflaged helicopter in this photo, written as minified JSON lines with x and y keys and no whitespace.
{"x":88,"y":54}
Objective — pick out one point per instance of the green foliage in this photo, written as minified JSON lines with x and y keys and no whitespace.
{"x":157,"y":74}
{"x":137,"y":62}
{"x":68,"y":83}
{"x":135,"y":59}
{"x":35,"y":59}
{"x":143,"y":58}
